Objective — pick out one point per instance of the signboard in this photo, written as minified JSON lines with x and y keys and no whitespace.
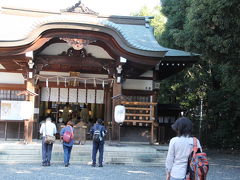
{"x":16,"y":110}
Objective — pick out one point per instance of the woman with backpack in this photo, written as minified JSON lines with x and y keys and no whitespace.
{"x":67,"y":138}
{"x":179,"y":150}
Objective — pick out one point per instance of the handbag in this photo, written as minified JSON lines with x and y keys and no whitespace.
{"x":49,"y":139}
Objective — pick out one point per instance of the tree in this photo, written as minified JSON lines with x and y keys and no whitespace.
{"x":212,"y":29}
{"x":159,"y":19}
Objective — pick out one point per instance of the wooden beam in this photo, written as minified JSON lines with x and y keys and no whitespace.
{"x":13,"y":86}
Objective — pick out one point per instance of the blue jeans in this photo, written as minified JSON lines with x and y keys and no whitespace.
{"x":67,"y":153}
{"x":46,"y":151}
{"x":97,"y":147}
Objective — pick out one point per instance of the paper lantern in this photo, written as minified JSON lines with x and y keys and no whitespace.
{"x":119,"y":113}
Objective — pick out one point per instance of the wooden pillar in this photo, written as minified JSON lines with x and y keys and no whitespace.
{"x":28,"y":123}
{"x":108,"y":106}
{"x":117,"y":90}
{"x":108,"y":111}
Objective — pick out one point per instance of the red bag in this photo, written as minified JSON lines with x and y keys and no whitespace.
{"x":68,"y":136}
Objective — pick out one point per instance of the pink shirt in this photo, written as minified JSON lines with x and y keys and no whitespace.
{"x":177,"y":157}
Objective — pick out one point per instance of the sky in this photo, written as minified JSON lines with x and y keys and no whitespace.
{"x":119,"y":7}
{"x":105,"y":7}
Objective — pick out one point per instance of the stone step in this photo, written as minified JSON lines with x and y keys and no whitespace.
{"x":85,"y":160}
{"x":81,"y":154}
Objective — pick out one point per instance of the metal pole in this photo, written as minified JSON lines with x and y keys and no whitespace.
{"x":201,"y":118}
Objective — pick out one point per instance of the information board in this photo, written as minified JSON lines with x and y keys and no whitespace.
{"x":16,"y":110}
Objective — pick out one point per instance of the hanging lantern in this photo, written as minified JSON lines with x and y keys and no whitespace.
{"x":119,"y":113}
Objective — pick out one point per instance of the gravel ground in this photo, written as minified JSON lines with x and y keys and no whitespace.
{"x":228,"y":167}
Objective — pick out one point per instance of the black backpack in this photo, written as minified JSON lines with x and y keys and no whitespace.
{"x":97,"y":136}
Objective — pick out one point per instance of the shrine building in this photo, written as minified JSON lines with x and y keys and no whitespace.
{"x":56,"y":63}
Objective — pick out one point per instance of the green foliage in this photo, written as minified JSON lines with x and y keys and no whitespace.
{"x":211,"y":28}
{"x":177,"y":10}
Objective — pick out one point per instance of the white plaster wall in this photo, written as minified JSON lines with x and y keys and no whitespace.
{"x":97,"y":52}
{"x":58,"y":48}
{"x":11,"y":78}
{"x":147,"y":74}
{"x":138,"y":84}
{"x":2,"y":67}
{"x":55,"y":49}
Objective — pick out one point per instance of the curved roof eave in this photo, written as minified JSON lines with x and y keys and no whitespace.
{"x":26,"y":30}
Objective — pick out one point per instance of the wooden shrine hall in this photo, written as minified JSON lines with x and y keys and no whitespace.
{"x":60,"y":62}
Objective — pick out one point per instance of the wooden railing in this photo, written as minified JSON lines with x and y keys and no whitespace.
{"x":138,"y":113}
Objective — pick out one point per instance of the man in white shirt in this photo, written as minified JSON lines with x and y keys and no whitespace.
{"x":47,"y":128}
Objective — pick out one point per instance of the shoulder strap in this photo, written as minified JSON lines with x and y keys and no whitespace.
{"x":45,"y":124}
{"x":195,"y":146}
{"x":71,"y":129}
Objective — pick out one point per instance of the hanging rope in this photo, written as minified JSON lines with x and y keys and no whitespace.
{"x":75,"y":79}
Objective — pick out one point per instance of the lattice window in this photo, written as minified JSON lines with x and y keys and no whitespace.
{"x":11,"y":95}
{"x":138,"y":98}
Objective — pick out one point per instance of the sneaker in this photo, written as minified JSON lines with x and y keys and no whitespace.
{"x":100,"y":165}
{"x":66,"y":165}
{"x":93,"y":165}
{"x":48,"y":164}
{"x":44,"y":164}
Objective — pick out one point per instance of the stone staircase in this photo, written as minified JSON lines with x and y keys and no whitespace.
{"x":125,"y":154}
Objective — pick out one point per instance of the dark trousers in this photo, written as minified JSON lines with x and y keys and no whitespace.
{"x":97,"y":147}
{"x":46,"y":152}
{"x":67,"y":153}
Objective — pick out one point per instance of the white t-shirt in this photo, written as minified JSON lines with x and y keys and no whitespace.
{"x":177,"y":157}
{"x":48,"y":128}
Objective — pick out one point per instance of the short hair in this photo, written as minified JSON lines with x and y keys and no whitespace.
{"x":183,"y":126}
{"x":70,"y":123}
{"x":99,"y":121}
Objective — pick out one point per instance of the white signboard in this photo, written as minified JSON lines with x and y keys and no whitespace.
{"x":16,"y":110}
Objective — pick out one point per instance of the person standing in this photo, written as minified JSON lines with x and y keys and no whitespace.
{"x":47,"y":128}
{"x":67,"y":145}
{"x":179,"y":150}
{"x":84,"y":114}
{"x":98,"y":132}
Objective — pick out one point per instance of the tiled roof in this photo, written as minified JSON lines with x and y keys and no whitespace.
{"x":174,"y":52}
{"x":17,"y":28}
{"x":21,"y":30}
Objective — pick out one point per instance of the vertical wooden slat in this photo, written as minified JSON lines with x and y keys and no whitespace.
{"x":5,"y":131}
